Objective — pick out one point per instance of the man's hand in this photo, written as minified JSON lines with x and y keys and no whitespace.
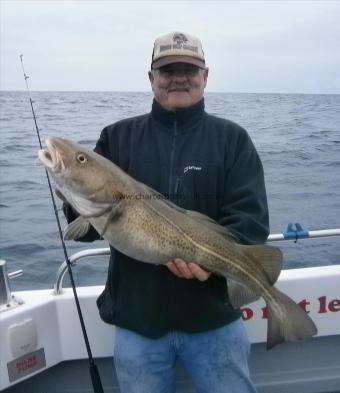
{"x":184,"y":269}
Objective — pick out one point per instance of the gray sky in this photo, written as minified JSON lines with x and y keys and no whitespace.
{"x":250,"y":46}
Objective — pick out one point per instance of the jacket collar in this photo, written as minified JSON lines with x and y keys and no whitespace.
{"x":183,"y":116}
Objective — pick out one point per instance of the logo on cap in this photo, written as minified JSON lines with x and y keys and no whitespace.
{"x":180,"y":38}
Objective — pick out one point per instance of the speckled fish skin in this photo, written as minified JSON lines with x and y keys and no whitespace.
{"x":142,"y":224}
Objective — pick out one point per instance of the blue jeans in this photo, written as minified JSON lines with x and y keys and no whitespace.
{"x":216,"y":360}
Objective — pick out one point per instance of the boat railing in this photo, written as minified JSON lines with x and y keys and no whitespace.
{"x":294,"y":232}
{"x":94,"y":252}
{"x":7,"y":300}
{"x":297,"y":232}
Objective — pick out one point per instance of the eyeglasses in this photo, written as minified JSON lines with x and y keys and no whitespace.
{"x":183,"y":69}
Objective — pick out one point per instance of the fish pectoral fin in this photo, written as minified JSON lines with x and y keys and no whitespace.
{"x":239,"y":294}
{"x":113,"y":215}
{"x":268,"y":257}
{"x":77,"y":229}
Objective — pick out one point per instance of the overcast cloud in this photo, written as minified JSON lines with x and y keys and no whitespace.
{"x":250,"y":46}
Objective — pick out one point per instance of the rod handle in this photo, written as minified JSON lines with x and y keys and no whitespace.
{"x":95,"y":377}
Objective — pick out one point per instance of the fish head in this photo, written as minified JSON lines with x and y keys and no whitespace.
{"x":84,"y":178}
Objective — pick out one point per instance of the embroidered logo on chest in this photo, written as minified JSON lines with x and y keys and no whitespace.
{"x":192,"y":168}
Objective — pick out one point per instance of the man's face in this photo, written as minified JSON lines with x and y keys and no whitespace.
{"x":178,"y":85}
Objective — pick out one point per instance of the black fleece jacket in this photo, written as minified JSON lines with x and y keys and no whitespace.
{"x":200,"y":162}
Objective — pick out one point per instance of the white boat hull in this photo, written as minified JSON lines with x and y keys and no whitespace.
{"x":42,"y":345}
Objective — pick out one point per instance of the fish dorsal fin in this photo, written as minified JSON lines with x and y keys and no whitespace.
{"x":269,"y":258}
{"x":239,"y":294}
{"x":76,"y":229}
{"x":157,"y":196}
{"x":196,"y":216}
{"x":211,"y":223}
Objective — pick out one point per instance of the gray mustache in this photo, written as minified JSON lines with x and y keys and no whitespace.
{"x":178,"y":87}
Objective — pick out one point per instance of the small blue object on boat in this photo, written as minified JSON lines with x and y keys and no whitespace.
{"x":295,"y":232}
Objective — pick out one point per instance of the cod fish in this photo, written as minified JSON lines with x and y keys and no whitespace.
{"x":141,"y":223}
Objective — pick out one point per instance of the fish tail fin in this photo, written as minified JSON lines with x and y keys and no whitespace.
{"x":287,"y":321}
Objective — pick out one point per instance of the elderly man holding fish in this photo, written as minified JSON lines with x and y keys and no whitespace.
{"x":195,"y":210}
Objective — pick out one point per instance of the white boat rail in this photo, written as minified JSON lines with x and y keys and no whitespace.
{"x":58,"y":286}
{"x":291,"y":234}
{"x":298,"y":233}
{"x":7,"y":300}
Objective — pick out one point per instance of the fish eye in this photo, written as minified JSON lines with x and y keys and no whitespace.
{"x":81,"y":158}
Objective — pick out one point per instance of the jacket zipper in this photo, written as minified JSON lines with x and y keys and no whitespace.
{"x":177,"y":185}
{"x":172,"y":160}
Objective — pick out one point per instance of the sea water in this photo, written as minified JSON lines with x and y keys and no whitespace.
{"x":297,"y":137}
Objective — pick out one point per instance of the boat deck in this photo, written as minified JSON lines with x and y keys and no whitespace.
{"x":289,"y":368}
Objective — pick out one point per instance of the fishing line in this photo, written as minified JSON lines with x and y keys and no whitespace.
{"x":95,"y":377}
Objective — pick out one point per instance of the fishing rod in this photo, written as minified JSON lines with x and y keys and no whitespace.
{"x":95,"y":377}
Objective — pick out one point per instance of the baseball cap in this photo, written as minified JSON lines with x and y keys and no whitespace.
{"x":177,"y":47}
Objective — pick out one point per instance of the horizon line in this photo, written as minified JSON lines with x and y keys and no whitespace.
{"x":150,"y":92}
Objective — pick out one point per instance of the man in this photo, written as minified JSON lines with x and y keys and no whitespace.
{"x":202,"y":163}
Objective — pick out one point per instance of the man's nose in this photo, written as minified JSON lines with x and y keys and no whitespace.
{"x":180,"y":75}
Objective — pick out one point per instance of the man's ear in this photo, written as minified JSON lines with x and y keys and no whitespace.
{"x":205,"y":76}
{"x":151,"y":77}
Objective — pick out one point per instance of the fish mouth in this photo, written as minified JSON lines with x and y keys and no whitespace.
{"x":50,"y":157}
